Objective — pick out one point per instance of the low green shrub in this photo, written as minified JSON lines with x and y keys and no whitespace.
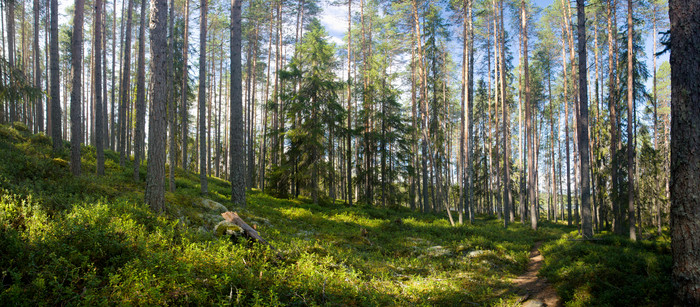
{"x":610,"y":271}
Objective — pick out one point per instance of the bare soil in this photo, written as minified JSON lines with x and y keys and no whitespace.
{"x":536,"y":290}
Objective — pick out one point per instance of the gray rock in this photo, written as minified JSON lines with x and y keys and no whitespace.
{"x":438,"y":251}
{"x":476,"y":253}
{"x":212,"y":205}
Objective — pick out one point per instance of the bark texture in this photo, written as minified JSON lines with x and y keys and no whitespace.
{"x":155,"y":176}
{"x":202,"y":99}
{"x":685,"y":150}
{"x":139,"y":129}
{"x":99,"y":120}
{"x":237,"y":150}
{"x":582,"y":123}
{"x":37,"y":70}
{"x":55,"y":81}
{"x":124,"y":85}
{"x":75,"y":93}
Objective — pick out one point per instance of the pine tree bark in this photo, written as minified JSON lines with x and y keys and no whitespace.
{"x":348,"y":149}
{"x":10,"y":7}
{"x":183,"y":91}
{"x":172,"y":115}
{"x":582,"y":122}
{"x":423,"y":100}
{"x":75,"y":95}
{"x":612,"y":104}
{"x":55,"y":119}
{"x":37,"y":70}
{"x":113,"y":116}
{"x":204,"y":189}
{"x":630,"y":122}
{"x":99,"y":137}
{"x":139,"y":137}
{"x":157,"y":126}
{"x":507,"y":201}
{"x":124,"y":86}
{"x":237,"y":154}
{"x":103,"y":42}
{"x":532,"y":185}
{"x":685,"y":150}
{"x":470,"y":118}
{"x":566,"y":132}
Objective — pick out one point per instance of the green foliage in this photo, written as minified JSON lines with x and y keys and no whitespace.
{"x":611,"y":271}
{"x":92,"y":241}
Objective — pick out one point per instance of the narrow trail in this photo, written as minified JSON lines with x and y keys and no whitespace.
{"x":536,"y":290}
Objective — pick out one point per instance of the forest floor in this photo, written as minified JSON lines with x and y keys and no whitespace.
{"x":91,"y":240}
{"x":537,"y":290}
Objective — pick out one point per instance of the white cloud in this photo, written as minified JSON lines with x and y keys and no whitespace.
{"x":335,"y":20}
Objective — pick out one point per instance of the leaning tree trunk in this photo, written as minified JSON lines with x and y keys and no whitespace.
{"x":155,"y":175}
{"x":237,"y":150}
{"x":685,"y":150}
{"x":75,"y":96}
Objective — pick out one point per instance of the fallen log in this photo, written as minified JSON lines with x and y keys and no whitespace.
{"x":232,"y":217}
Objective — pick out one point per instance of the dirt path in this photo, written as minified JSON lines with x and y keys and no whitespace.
{"x":536,"y":290}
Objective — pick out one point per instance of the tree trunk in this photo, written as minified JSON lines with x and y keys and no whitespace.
{"x":103,"y":39}
{"x":10,"y":7}
{"x":461,"y":174}
{"x":566,"y":132}
{"x":55,"y":81}
{"x":99,"y":120}
{"x":685,"y":149}
{"x":237,"y":149}
{"x":124,"y":86}
{"x":587,"y":227}
{"x":507,"y":212}
{"x":202,"y":98}
{"x":114,"y":131}
{"x":172,"y":116}
{"x":139,"y":137}
{"x":532,"y":163}
{"x":75,"y":95}
{"x":348,"y":150}
{"x":612,"y":104}
{"x":157,"y":126}
{"x":37,"y":70}
{"x":424,"y":120}
{"x":470,"y":117}
{"x":185,"y":77}
{"x":630,"y":121}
